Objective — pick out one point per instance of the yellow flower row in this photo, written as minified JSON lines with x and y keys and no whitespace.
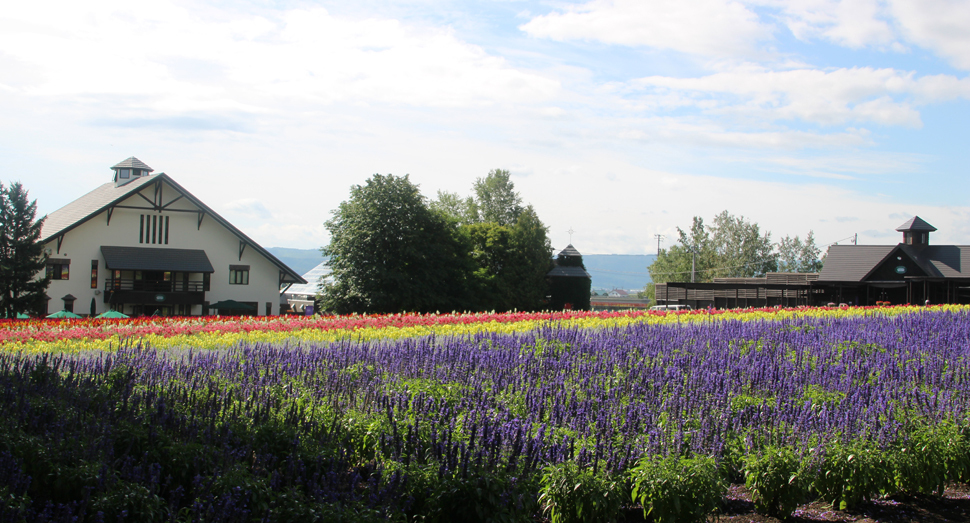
{"x":312,"y":335}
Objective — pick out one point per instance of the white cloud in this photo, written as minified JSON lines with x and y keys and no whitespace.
{"x":249,"y":208}
{"x":939,"y":25}
{"x":850,"y":23}
{"x":718,"y":28}
{"x":167,"y":58}
{"x":833,"y":97}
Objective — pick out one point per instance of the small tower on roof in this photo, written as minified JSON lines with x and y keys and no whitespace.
{"x":916,"y":231}
{"x":130,"y":169}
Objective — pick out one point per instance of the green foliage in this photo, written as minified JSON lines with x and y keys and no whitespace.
{"x":476,"y":496}
{"x":731,"y":247}
{"x":676,"y":488}
{"x":929,"y":457}
{"x":569,"y":493}
{"x":496,"y":199}
{"x":390,"y":253}
{"x":850,"y":474}
{"x":777,"y":480}
{"x":21,"y":254}
{"x":511,"y":262}
{"x":794,"y":255}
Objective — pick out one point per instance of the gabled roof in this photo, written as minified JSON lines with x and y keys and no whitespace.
{"x":313,"y":278}
{"x":852,"y":263}
{"x":90,"y":205}
{"x":915,"y":224}
{"x":106,"y":196}
{"x":132,"y":163}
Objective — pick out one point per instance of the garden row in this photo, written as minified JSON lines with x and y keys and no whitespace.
{"x":576,"y":423}
{"x":43,"y":336}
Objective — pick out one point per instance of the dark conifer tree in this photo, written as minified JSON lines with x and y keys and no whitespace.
{"x":21,"y":253}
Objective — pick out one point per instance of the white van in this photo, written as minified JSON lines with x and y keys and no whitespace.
{"x":670,"y":308}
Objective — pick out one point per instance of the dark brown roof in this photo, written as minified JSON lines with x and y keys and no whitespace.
{"x":570,"y":251}
{"x":155,"y":259}
{"x":855,"y":262}
{"x":915,"y":224}
{"x":569,"y":272}
{"x":132,"y":163}
{"x":852,"y":262}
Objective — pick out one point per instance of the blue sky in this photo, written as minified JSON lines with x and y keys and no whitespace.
{"x":620,"y":119}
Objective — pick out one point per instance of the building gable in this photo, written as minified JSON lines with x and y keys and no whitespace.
{"x":899,"y":264}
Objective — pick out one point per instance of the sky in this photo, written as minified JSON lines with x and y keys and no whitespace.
{"x":619,"y":120}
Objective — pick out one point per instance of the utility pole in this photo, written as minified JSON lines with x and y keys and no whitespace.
{"x":855,"y":239}
{"x":659,"y":237}
{"x":693,"y":263}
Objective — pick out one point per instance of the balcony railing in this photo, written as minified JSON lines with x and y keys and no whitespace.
{"x":153,"y":286}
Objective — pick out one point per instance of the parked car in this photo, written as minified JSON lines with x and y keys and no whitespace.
{"x":676,"y":307}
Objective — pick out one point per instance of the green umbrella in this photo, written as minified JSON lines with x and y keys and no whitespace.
{"x":22,"y":316}
{"x":64,"y":314}
{"x":113,"y":315}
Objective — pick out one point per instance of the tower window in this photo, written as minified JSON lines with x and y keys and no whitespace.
{"x":124,"y":174}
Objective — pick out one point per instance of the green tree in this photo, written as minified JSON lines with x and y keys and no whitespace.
{"x":464,"y":211}
{"x":21,"y":253}
{"x":732,"y":247}
{"x":389,"y":252}
{"x":795,"y":255}
{"x":496,"y":198}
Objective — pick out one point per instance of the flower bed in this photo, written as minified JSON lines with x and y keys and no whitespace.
{"x":574,"y":416}
{"x":44,"y":336}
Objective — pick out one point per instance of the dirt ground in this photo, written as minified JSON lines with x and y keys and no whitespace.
{"x":953,"y":506}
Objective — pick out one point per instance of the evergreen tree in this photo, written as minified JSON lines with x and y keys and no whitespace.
{"x":21,"y":253}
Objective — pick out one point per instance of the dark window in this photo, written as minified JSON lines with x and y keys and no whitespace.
{"x":239,"y":274}
{"x":124,"y":174}
{"x":59,"y":269}
{"x":166,"y":230}
{"x":141,"y":228}
{"x":269,"y":308}
{"x":94,"y":274}
{"x":154,"y":227}
{"x":206,"y":279}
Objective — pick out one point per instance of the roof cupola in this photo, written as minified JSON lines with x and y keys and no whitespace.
{"x":130,"y":169}
{"x":916,"y":231}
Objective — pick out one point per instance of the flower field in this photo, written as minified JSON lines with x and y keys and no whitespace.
{"x":571,"y":416}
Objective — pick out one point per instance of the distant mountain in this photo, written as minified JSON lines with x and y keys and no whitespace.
{"x":609,"y":271}
{"x":300,"y":260}
{"x":619,"y":271}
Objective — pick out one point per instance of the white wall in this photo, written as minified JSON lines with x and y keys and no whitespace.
{"x":83,"y":244}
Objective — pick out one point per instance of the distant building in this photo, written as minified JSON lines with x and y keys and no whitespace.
{"x":912,"y":271}
{"x":569,"y":283}
{"x":299,"y":296}
{"x":143,"y":245}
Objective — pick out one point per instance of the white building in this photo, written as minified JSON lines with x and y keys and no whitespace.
{"x":143,"y":245}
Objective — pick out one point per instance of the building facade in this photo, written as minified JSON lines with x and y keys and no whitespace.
{"x":143,"y":245}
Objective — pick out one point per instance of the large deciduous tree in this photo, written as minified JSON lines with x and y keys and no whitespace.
{"x":496,"y":199}
{"x":21,"y":253}
{"x":511,"y":251}
{"x":390,"y":253}
{"x":731,"y":247}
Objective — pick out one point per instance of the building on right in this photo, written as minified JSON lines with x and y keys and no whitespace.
{"x":912,"y":271}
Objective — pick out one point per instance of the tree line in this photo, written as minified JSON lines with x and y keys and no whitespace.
{"x":393,"y":250}
{"x":732,"y":247}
